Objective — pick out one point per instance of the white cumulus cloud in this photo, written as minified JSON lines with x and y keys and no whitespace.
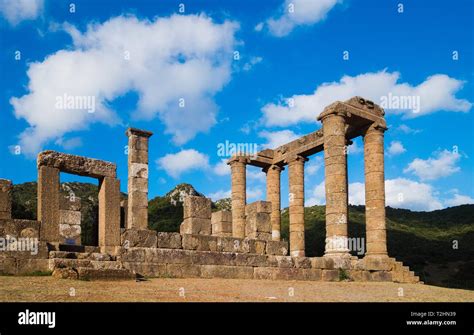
{"x":396,"y":148}
{"x":15,"y":11}
{"x":459,"y":199}
{"x":443,"y":164}
{"x":183,"y":161}
{"x":436,"y":93}
{"x":294,"y":13}
{"x":175,"y":65}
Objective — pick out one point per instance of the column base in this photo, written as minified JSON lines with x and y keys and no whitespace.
{"x":378,"y":262}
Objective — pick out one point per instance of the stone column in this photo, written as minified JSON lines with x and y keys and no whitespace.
{"x":48,"y":203}
{"x":296,"y":200}
{"x":137,"y":215}
{"x":273,"y":195}
{"x":335,"y":160}
{"x":375,"y":191}
{"x":5,"y":199}
{"x":238,"y":170}
{"x":109,"y":214}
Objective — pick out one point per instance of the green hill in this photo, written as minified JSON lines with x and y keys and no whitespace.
{"x":437,"y":245}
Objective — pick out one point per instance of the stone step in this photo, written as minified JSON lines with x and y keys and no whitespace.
{"x":95,"y":256}
{"x":86,"y":273}
{"x":85,"y":263}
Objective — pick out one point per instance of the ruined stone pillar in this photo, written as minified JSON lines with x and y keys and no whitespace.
{"x":375,"y":191}
{"x":48,"y":203}
{"x":296,"y":199}
{"x":238,"y":170}
{"x":335,"y":159}
{"x":137,"y":178}
{"x":5,"y":199}
{"x":109,"y":214}
{"x":273,"y":195}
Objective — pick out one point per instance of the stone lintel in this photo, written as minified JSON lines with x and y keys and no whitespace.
{"x":79,"y":165}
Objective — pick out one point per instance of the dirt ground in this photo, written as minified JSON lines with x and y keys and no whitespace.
{"x":219,"y":290}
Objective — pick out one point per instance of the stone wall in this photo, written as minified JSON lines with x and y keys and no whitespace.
{"x":70,"y":220}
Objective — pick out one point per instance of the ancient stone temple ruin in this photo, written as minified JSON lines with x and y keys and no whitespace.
{"x":242,"y":243}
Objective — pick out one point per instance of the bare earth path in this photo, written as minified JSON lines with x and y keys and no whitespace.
{"x":165,"y":289}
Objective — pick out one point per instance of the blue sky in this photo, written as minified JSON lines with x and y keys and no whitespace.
{"x":139,"y":58}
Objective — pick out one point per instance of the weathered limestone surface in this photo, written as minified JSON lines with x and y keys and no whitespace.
{"x":79,"y":165}
{"x":274,"y":197}
{"x":375,"y":191}
{"x":70,"y":220}
{"x":48,"y":203}
{"x":197,"y":216}
{"x":5,"y":199}
{"x":169,"y":240}
{"x":109,"y":213}
{"x":296,"y":207}
{"x":239,"y":197}
{"x":137,"y":206}
{"x":335,"y":159}
{"x":221,"y":223}
{"x":257,"y":220}
{"x":139,"y":238}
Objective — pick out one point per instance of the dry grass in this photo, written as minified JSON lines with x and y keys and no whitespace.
{"x":167,"y":289}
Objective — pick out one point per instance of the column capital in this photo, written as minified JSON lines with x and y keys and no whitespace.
{"x":138,"y":132}
{"x":333,"y":109}
{"x":376,"y":127}
{"x":238,"y":159}
{"x":296,"y":158}
{"x":273,"y":167}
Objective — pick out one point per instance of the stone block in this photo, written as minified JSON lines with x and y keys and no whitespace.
{"x":69,"y":217}
{"x":222,"y":271}
{"x":258,"y":222}
{"x":284,"y":261}
{"x":359,"y":275}
{"x":196,"y":226}
{"x":168,"y":256}
{"x":277,"y":248}
{"x":250,"y":260}
{"x":183,"y":270}
{"x":70,"y":203}
{"x":139,"y":238}
{"x":48,"y":203}
{"x":104,"y":274}
{"x":256,"y":246}
{"x":260,"y":236}
{"x":7,"y":266}
{"x":302,"y":262}
{"x":199,"y":242}
{"x":213,"y":258}
{"x":109,"y":212}
{"x":221,"y":216}
{"x":330,"y":275}
{"x":169,"y":240}
{"x":258,"y":207}
{"x":132,"y":254}
{"x":322,"y":263}
{"x":381,"y":276}
{"x":378,"y":263}
{"x":197,"y":207}
{"x":65,"y":273}
{"x":70,"y":234}
{"x":233,"y":244}
{"x":82,"y":166}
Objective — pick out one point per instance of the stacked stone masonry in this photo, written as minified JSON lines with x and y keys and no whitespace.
{"x":242,"y":243}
